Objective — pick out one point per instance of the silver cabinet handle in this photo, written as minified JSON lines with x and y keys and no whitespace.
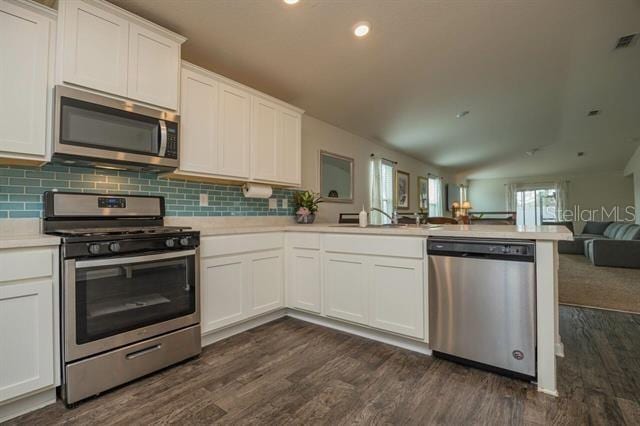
{"x":118,"y":261}
{"x":134,"y":355}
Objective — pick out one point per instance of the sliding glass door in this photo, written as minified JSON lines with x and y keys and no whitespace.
{"x":535,"y":206}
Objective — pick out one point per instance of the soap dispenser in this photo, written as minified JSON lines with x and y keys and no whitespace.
{"x":362,"y":218}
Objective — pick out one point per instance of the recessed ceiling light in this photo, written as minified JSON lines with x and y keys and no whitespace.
{"x":361,"y":29}
{"x":462,"y":114}
{"x":594,"y":112}
{"x":291,"y":1}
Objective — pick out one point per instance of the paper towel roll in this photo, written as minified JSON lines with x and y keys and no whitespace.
{"x":255,"y":190}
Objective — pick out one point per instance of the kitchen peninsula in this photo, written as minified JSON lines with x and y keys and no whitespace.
{"x":370,"y":281}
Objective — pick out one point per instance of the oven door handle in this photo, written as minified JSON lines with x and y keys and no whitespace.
{"x":163,"y":138}
{"x":134,"y":259}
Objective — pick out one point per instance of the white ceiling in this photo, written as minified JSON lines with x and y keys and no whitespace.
{"x":527,"y":70}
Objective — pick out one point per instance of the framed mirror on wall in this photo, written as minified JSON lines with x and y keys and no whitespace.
{"x":336,"y":178}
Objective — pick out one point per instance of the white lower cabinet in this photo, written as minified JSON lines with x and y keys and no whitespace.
{"x":266,"y":289}
{"x":237,"y":285}
{"x":26,"y":333}
{"x":222,"y":291}
{"x":303,"y":280}
{"x":346,"y":287}
{"x":29,"y":336}
{"x":378,"y":282}
{"x":396,"y":296}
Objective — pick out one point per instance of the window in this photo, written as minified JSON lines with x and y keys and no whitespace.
{"x":534,"y":206}
{"x":436,"y":202}
{"x":381,"y":195}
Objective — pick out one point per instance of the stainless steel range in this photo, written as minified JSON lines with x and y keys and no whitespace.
{"x":130,"y":289}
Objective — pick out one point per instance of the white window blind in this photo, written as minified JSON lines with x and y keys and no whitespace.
{"x":436,"y":197}
{"x":381,"y":177}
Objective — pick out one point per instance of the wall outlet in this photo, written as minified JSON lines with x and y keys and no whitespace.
{"x":204,"y":200}
{"x":285,"y":203}
{"x":273,"y":203}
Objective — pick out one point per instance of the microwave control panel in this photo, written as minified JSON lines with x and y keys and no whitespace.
{"x":172,"y":141}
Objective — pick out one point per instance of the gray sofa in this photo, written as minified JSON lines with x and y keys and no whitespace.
{"x":614,"y":244}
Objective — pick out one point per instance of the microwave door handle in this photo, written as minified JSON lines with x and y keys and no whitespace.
{"x":163,"y":138}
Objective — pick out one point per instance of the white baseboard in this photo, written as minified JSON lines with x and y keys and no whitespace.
{"x":560,"y":349}
{"x":368,"y":333}
{"x":29,"y":403}
{"x":232,"y":330}
{"x":379,"y":336}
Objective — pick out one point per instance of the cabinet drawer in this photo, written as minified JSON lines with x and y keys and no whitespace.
{"x":25,"y":264}
{"x":230,"y":244}
{"x":411,"y":247}
{"x":303,"y":240}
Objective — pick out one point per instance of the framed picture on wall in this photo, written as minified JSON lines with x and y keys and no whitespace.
{"x":423,"y":192}
{"x":402,"y":190}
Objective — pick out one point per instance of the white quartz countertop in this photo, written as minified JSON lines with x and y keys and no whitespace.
{"x":16,"y":234}
{"x":551,"y":233}
{"x":31,"y":240}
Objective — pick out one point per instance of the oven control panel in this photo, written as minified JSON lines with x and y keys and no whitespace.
{"x":112,"y":202}
{"x":132,"y":246}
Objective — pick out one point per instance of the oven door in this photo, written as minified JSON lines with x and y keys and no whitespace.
{"x":100,"y":128}
{"x":114,"y":302}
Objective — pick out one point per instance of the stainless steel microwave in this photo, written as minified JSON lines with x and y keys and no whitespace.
{"x":91,"y":129}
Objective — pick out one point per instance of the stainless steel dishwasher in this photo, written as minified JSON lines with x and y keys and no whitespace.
{"x":482,"y":303}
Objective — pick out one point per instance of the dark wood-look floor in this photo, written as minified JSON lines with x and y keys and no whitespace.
{"x":291,"y":372}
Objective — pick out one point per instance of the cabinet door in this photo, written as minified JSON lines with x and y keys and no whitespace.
{"x":397,"y":296}
{"x":304,"y":279}
{"x":264,"y":139}
{"x":154,"y":67}
{"x":234,"y":131}
{"x":24,"y":55}
{"x":346,"y":287}
{"x":96,"y":45}
{"x":222,"y":291}
{"x":266,"y":284}
{"x":199,"y":123}
{"x":289,"y":147}
{"x":26,"y":333}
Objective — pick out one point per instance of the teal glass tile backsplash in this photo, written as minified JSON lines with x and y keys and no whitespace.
{"x":21,"y":190}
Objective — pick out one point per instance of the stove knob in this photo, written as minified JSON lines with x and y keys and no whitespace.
{"x":114,"y":247}
{"x":184,"y":241}
{"x":94,"y":249}
{"x":171,"y":243}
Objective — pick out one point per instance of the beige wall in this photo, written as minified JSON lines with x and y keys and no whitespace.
{"x":318,"y":135}
{"x":633,"y":169}
{"x":589,"y":192}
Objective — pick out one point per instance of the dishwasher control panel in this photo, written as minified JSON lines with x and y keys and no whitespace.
{"x":467,"y":247}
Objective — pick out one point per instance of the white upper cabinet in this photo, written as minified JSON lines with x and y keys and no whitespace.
{"x":232,"y":132}
{"x":199,"y":123}
{"x":290,"y":148}
{"x":234,"y":120}
{"x":96,"y":45}
{"x":108,"y":49}
{"x":264,"y":139}
{"x":154,"y":67}
{"x":275,"y":142}
{"x":26,"y":53}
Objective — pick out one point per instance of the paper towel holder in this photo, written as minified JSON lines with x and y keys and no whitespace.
{"x":256,"y":190}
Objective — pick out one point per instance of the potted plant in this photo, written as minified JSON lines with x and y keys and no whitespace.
{"x":306,"y":206}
